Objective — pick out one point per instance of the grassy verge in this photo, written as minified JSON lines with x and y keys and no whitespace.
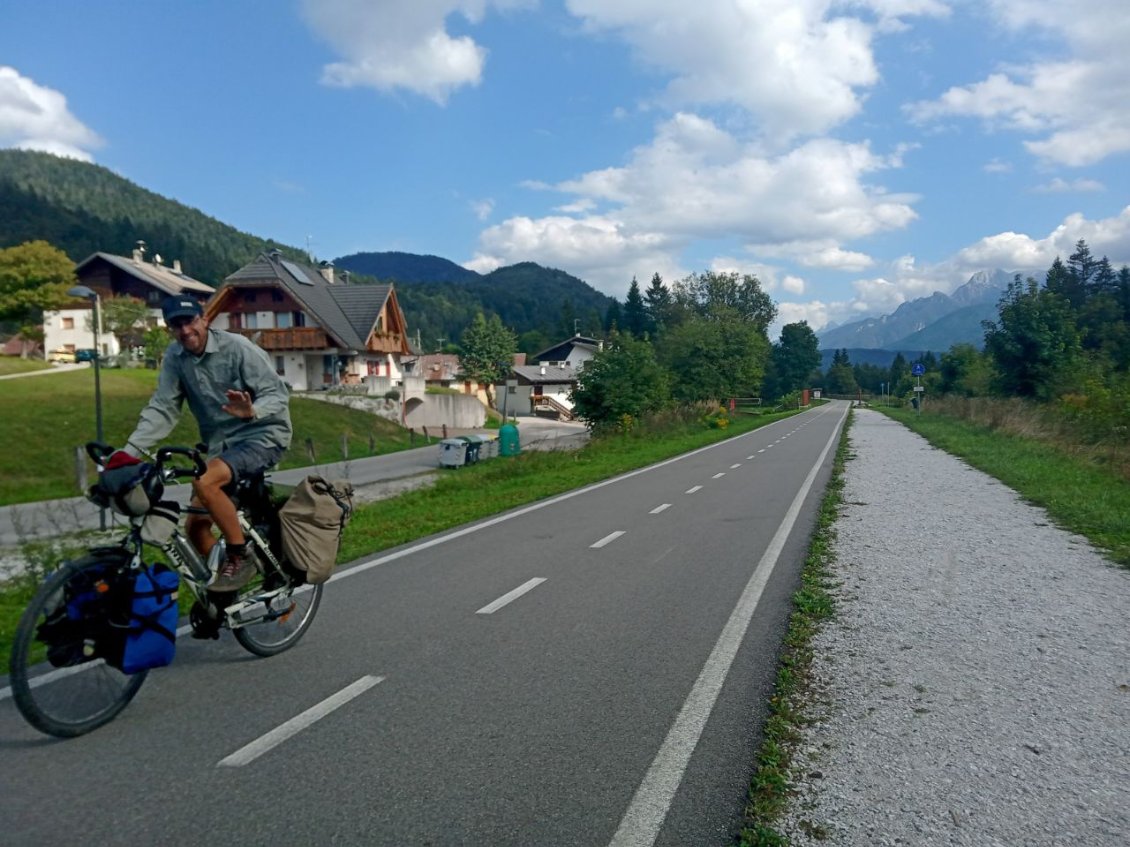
{"x":472,"y":492}
{"x":15,"y":365}
{"x":49,"y":416}
{"x":1082,"y":496}
{"x":812,"y":605}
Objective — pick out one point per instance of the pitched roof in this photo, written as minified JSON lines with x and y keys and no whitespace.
{"x":553,"y":374}
{"x":162,"y":278}
{"x":554,"y":353}
{"x":346,"y":312}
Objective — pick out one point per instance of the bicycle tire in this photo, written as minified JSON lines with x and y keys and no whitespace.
{"x":268,"y":638}
{"x":80,"y":696}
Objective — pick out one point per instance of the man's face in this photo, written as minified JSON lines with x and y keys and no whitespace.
{"x":192,"y":333}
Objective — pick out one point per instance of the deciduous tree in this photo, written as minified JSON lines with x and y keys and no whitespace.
{"x":620,"y":384}
{"x":487,"y":351}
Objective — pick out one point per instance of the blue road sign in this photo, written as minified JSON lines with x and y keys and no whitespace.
{"x":918,"y":369}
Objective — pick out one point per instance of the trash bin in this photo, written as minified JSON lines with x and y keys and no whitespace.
{"x":478,"y":447}
{"x":473,"y":444}
{"x":508,"y":444}
{"x":452,"y":453}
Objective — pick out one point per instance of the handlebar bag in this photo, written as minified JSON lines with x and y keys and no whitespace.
{"x":312,"y":521}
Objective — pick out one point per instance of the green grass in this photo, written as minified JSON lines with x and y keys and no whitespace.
{"x":43,"y":419}
{"x":16,"y":365}
{"x":1080,"y":495}
{"x":813,"y":604}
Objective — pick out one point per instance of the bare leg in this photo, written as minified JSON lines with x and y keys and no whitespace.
{"x":208,"y":490}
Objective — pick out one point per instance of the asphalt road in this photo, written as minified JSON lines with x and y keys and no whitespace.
{"x":589,"y":670}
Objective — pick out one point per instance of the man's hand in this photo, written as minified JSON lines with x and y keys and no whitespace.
{"x":239,"y":404}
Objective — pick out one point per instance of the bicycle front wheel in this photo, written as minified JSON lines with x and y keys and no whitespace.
{"x":266,"y":638}
{"x":56,"y":686}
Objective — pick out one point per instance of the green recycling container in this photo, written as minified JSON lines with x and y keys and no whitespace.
{"x":508,"y":440}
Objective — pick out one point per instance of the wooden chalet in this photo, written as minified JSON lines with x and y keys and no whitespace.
{"x":319,"y":330}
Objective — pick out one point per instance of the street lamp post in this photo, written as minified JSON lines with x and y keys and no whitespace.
{"x":92,"y":295}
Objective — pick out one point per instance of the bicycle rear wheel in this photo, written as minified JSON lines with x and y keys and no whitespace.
{"x":59,"y":689}
{"x":266,"y":638}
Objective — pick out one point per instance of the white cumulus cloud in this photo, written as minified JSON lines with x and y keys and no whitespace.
{"x":696,"y":180}
{"x":799,"y":66}
{"x":1072,"y":104}
{"x":34,"y":117}
{"x":401,"y":45}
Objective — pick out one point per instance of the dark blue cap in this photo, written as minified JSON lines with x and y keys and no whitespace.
{"x":180,"y":306}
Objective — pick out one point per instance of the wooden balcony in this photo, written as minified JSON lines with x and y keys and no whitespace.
{"x":386,"y":342}
{"x":294,"y":338}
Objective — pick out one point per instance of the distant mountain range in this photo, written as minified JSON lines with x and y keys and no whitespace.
{"x":933,"y":323}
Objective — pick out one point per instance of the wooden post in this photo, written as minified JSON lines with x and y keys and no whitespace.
{"x":310,"y":449}
{"x":445,"y":430}
{"x":372,"y":444}
{"x":344,"y":446}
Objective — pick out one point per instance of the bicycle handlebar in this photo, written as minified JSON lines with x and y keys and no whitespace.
{"x":99,"y":452}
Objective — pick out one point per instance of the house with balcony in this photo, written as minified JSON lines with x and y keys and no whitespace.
{"x":320,"y":330}
{"x":148,"y":280}
{"x":545,"y":385}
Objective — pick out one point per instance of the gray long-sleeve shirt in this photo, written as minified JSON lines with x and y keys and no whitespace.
{"x":229,"y":361}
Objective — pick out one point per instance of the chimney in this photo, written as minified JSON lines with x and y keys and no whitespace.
{"x":345,"y":277}
{"x":275,"y":254}
{"x":543,"y":370}
{"x":326,"y":269}
{"x":139,"y":251}
{"x":176,"y":266}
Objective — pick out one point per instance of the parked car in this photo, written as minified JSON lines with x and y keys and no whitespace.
{"x":87,"y":354}
{"x":62,"y":354}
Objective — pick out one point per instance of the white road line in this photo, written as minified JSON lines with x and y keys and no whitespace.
{"x":645,"y":815}
{"x":762,"y":450}
{"x":265,"y":743}
{"x":719,"y":475}
{"x":737,"y":465}
{"x":608,"y":539}
{"x":754,"y":456}
{"x":693,"y":490}
{"x":511,"y":596}
{"x":662,"y":507}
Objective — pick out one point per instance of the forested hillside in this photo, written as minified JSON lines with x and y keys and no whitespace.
{"x":83,"y":208}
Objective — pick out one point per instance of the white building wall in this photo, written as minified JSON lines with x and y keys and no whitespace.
{"x":80,"y":336}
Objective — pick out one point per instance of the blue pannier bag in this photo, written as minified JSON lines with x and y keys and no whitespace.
{"x":151,"y":638}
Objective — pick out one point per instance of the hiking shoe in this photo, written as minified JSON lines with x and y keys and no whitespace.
{"x":234,"y":573}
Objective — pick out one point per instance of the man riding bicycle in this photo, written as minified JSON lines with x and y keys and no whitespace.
{"x":241,"y":407}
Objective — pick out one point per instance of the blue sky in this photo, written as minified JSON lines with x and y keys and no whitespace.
{"x":853,"y":155}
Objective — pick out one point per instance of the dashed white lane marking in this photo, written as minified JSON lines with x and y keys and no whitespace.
{"x":608,"y":539}
{"x":693,"y":490}
{"x":265,"y":743}
{"x":662,"y":507}
{"x":736,"y":465}
{"x":719,"y":475}
{"x":511,"y":596}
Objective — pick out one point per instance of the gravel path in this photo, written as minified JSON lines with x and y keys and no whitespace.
{"x":974,"y":688}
